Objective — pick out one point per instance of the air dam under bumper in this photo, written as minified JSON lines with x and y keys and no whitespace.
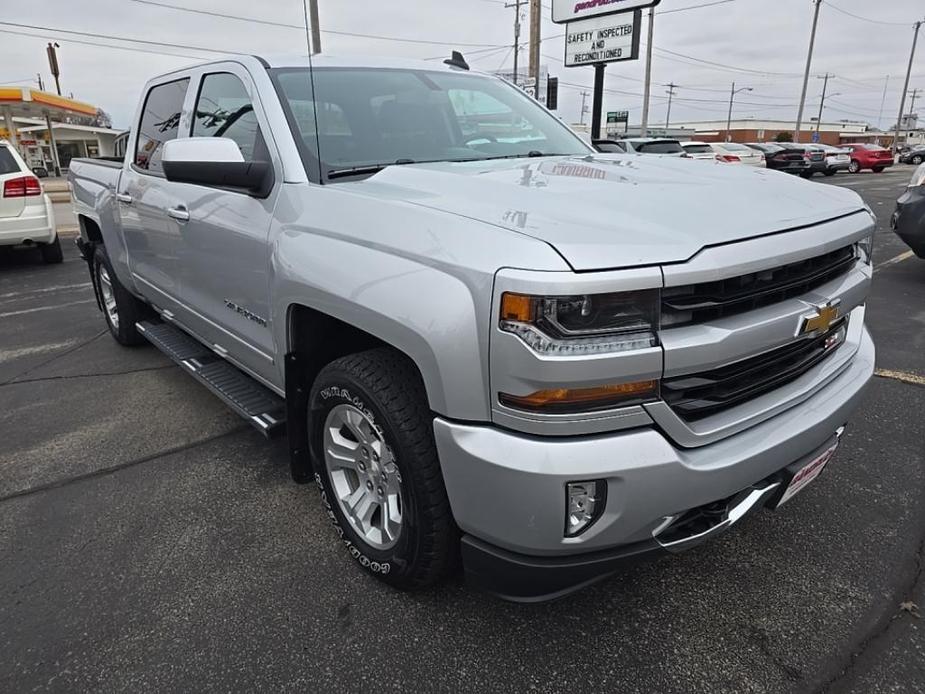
{"x":507,"y":491}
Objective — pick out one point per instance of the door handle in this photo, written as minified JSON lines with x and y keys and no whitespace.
{"x":180,"y":213}
{"x":124,"y":197}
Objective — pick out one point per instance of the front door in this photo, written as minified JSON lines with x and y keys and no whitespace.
{"x":153,"y":238}
{"x":224,"y":256}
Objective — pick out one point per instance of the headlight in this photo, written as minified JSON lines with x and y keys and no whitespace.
{"x":584,"y":324}
{"x":866,"y":249}
{"x":918,"y":178}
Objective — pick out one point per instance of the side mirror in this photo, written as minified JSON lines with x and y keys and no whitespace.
{"x":215,"y":161}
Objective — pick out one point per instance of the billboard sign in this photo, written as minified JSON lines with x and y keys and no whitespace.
{"x":570,"y":10}
{"x":602,"y":39}
{"x":618,"y":116}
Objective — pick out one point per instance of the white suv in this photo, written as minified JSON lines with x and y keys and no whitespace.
{"x":26,"y":214}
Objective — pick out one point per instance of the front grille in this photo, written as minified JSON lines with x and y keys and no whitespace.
{"x":695,"y":396}
{"x":698,"y":303}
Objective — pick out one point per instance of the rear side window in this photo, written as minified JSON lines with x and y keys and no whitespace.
{"x":698,"y":149}
{"x":659,"y":147}
{"x":7,"y":163}
{"x":224,"y":109}
{"x":160,"y":123}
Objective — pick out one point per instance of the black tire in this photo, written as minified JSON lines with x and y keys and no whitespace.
{"x":129,"y":310}
{"x":829,"y":172}
{"x":878,"y":169}
{"x":386,"y":387}
{"x":855,"y":166}
{"x":51,"y":252}
{"x":806,"y":174}
{"x":917,"y":159}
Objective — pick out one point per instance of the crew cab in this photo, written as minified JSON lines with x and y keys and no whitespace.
{"x":482,"y":339}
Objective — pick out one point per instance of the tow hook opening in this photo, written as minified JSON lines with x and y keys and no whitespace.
{"x":689,"y":529}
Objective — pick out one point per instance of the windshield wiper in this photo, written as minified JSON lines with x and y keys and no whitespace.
{"x":366,"y":169}
{"x":531,"y":154}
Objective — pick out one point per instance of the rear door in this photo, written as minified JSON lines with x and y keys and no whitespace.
{"x":12,"y":205}
{"x":224,"y":252}
{"x":152,"y":237}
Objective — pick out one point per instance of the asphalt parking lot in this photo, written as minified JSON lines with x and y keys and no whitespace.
{"x":151,"y":541}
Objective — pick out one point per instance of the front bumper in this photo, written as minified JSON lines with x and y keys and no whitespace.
{"x":507,"y":490}
{"x":909,"y":219}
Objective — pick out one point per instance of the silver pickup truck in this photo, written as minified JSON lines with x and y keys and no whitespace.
{"x":484,"y":341}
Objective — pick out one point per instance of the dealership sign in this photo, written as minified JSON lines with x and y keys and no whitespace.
{"x":570,"y":10}
{"x":602,"y":39}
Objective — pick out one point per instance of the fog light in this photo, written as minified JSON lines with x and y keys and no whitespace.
{"x":584,"y":503}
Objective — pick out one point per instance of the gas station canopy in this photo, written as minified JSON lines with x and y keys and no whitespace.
{"x":25,"y":102}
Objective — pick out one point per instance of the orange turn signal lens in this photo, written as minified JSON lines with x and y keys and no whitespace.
{"x":517,"y":307}
{"x":582,"y":399}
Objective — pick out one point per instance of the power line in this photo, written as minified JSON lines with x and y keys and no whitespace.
{"x":695,"y":7}
{"x":867,"y":19}
{"x":101,"y":45}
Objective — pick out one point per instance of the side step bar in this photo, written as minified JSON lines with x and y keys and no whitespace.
{"x":264,"y":409}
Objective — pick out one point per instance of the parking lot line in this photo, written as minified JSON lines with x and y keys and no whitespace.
{"x":44,"y":290}
{"x":892,"y":261}
{"x":24,"y":311}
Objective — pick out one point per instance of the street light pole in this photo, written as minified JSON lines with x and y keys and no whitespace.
{"x":670,"y":92}
{"x":516,"y":5}
{"x":809,"y":62}
{"x":732,"y":95}
{"x":316,"y":26}
{"x":902,"y":98}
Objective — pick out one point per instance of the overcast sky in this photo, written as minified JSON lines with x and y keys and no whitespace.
{"x":756,"y":43}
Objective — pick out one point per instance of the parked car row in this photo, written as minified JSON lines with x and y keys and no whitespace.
{"x":804,"y":159}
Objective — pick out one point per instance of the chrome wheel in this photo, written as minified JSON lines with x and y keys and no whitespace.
{"x":109,"y":297}
{"x":363,"y":475}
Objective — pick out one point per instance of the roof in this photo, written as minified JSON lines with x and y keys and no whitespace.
{"x":26,"y":101}
{"x":321,"y":61}
{"x":72,"y":126}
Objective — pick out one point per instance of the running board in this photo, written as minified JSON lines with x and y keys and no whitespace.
{"x":265,"y":410}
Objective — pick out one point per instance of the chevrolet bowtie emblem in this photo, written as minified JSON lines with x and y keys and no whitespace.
{"x":820,"y":320}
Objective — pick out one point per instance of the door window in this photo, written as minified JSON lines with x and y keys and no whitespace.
{"x":224,"y":109}
{"x":160,"y":123}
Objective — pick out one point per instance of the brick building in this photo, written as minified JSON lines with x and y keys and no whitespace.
{"x":753,"y":130}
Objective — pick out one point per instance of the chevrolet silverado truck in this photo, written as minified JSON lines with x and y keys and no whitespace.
{"x":487,"y":343}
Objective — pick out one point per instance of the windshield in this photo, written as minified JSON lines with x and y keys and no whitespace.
{"x":367,"y":118}
{"x":736,"y":147}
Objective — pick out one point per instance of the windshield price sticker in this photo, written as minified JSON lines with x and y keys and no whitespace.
{"x":602,"y":39}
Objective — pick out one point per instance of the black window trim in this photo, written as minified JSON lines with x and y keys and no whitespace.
{"x":144,"y":106}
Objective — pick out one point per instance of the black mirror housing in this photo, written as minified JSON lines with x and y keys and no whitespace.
{"x":254,"y":177}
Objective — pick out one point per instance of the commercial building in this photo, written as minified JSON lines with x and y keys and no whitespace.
{"x":755,"y":130}
{"x":49,"y":130}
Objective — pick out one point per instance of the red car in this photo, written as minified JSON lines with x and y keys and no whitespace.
{"x":866,"y":156}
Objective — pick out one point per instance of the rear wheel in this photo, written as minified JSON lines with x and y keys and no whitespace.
{"x":376,"y":465}
{"x":917,"y":159}
{"x":878,"y":169}
{"x":829,"y":172}
{"x":121,"y":309}
{"x":51,"y":252}
{"x":854,"y":166}
{"x":806,"y":174}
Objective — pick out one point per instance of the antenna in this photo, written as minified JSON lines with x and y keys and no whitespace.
{"x":456,"y":60}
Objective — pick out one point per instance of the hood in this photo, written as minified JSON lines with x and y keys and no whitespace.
{"x":613,"y":211}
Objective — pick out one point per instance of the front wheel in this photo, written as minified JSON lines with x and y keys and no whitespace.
{"x":854,"y":166}
{"x":377,"y":468}
{"x":806,"y":174}
{"x":917,"y":159}
{"x":829,"y":172}
{"x":878,"y":169}
{"x":121,"y":309}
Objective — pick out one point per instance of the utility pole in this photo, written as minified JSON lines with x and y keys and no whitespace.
{"x":670,"y":92}
{"x":902,"y":97}
{"x":644,"y":130}
{"x":536,"y":24}
{"x":732,"y":95}
{"x":516,"y":5}
{"x":825,"y":84}
{"x":53,"y":63}
{"x":316,"y":26}
{"x":38,"y":76}
{"x":809,"y":62}
{"x":915,"y":95}
{"x":584,"y":109}
{"x":886,"y":84}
